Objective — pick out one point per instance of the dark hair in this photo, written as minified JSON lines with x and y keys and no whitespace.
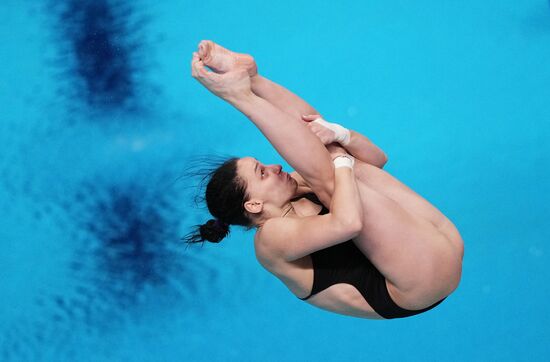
{"x":225,"y":196}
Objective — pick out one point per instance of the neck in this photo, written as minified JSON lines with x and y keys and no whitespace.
{"x":286,"y":210}
{"x":289,"y":208}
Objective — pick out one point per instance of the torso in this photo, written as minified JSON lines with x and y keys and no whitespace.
{"x":344,"y":298}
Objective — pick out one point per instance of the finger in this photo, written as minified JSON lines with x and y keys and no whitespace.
{"x":317,"y":122}
{"x":314,"y":126}
{"x":310,"y":117}
{"x":328,"y":140}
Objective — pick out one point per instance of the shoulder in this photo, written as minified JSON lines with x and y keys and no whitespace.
{"x":274,"y":241}
{"x":266,"y":249}
{"x":290,"y":239}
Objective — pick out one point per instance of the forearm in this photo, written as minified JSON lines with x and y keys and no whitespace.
{"x":363,"y":149}
{"x":346,"y":201}
{"x":293,"y":141}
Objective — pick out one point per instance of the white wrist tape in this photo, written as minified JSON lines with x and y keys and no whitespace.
{"x":343,"y":135}
{"x":344,"y":161}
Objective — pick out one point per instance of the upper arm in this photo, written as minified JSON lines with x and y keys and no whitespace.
{"x":294,"y":238}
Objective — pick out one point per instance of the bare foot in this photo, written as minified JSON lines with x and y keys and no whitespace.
{"x":230,"y":86}
{"x":222,"y":60}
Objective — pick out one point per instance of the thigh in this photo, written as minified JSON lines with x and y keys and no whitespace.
{"x":411,"y":253}
{"x":384,"y":183}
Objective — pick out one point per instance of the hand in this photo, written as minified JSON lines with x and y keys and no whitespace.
{"x":336,"y":150}
{"x":229,"y":86}
{"x":326,"y":135}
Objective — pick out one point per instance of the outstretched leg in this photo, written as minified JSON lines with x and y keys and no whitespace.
{"x":222,"y":60}
{"x":281,"y":97}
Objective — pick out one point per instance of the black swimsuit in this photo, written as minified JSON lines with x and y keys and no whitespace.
{"x":345,"y":263}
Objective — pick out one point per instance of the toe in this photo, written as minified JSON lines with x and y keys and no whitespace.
{"x":197,"y":65}
{"x":204,"y":49}
{"x":195,"y":58}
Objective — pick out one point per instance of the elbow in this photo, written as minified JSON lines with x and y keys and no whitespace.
{"x":383,"y":161}
{"x":357,"y":227}
{"x":352,"y":227}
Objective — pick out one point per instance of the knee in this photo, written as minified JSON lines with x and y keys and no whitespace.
{"x":445,"y":276}
{"x":461,"y":250}
{"x":453,"y":277}
{"x":455,"y":281}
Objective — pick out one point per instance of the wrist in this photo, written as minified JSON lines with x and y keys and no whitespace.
{"x":343,"y":161}
{"x":343,"y":135}
{"x":241,"y":99}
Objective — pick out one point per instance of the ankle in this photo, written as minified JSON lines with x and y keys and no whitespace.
{"x":256,"y":80}
{"x":240,"y":100}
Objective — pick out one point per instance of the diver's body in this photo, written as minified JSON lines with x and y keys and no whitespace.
{"x":411,"y":243}
{"x":344,"y":298}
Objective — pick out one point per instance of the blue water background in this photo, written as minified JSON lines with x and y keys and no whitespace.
{"x":99,"y":117}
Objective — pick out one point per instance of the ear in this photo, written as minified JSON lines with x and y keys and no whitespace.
{"x":254,"y":206}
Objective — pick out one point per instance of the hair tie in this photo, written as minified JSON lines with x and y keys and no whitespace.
{"x":220,"y":223}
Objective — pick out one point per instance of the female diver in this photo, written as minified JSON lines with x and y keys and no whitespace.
{"x":339,"y":231}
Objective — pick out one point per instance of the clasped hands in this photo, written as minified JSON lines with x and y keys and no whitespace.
{"x":331,"y":134}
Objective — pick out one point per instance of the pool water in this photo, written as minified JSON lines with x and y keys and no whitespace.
{"x":100,"y":118}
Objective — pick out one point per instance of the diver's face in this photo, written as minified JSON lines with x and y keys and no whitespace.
{"x":268,"y":183}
